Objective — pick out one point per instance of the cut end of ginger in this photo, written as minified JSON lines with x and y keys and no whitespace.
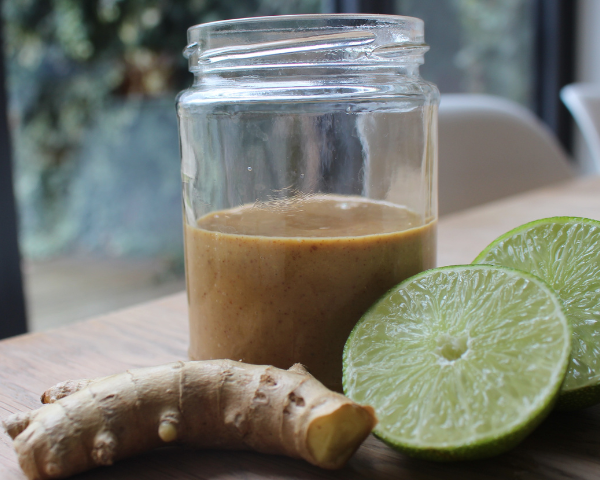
{"x":332,"y":439}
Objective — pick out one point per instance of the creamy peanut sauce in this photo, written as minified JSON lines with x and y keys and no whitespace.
{"x":284,"y":282}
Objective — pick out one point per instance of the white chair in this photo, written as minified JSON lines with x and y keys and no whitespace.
{"x":490,"y":148}
{"x":583,"y":100}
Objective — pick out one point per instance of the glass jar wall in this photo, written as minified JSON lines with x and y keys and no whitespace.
{"x":308,"y":150}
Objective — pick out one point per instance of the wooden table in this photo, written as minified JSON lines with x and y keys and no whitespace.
{"x":565,"y":446}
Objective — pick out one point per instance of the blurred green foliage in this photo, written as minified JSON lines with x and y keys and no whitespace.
{"x":92,"y":85}
{"x":478,"y":46}
{"x":82,"y":77}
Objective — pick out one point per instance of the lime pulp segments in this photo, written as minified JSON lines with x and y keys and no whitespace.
{"x":565,"y":252}
{"x":459,"y":362}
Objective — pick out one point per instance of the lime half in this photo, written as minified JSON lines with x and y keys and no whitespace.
{"x":565,"y":252}
{"x":459,"y":362}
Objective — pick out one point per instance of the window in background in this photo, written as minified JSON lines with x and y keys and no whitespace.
{"x":91,"y":89}
{"x":523,"y":50}
{"x":478,"y":46}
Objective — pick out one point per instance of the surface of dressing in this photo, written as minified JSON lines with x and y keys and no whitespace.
{"x":285,"y":281}
{"x":313,"y":216}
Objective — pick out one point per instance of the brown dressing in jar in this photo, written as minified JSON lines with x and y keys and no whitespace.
{"x":285,"y":282}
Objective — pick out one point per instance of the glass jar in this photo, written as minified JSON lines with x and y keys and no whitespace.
{"x":308,"y":153}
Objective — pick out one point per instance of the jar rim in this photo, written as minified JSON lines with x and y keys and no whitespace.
{"x":285,"y":40}
{"x":392,"y":19}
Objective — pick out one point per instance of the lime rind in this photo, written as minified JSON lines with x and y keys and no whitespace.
{"x":477,"y":450}
{"x":393,"y":381}
{"x":577,"y":399}
{"x":565,"y":252}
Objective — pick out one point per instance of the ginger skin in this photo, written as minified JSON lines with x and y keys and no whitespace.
{"x":209,"y":404}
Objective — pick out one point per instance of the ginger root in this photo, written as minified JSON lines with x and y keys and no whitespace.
{"x":209,"y":404}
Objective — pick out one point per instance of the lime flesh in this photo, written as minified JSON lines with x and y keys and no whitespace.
{"x":459,"y":362}
{"x":565,"y":252}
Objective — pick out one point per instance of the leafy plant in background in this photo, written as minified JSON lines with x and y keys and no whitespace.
{"x":91,"y":89}
{"x":497,"y":52}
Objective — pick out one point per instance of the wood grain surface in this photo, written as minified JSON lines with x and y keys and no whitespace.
{"x":565,"y":446}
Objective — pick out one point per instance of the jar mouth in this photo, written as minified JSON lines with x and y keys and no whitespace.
{"x":337,"y":18}
{"x":294,"y":40}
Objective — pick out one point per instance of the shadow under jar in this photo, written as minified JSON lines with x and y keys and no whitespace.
{"x":309,"y":153}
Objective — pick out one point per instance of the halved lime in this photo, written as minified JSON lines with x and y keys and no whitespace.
{"x":459,"y":362}
{"x":565,"y":252}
